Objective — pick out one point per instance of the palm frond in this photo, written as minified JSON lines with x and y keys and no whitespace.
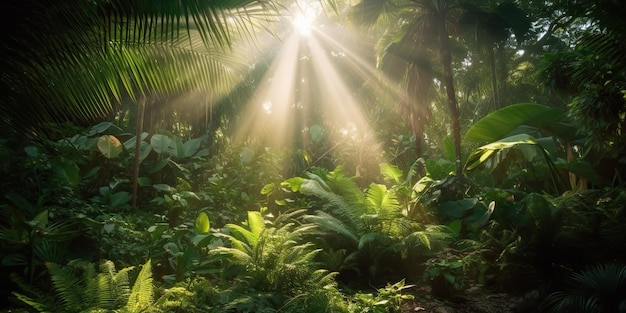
{"x":76,"y":61}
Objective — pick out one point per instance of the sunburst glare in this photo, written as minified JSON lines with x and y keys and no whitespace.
{"x":312,"y":82}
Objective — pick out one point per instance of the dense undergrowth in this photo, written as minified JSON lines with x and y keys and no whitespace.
{"x":235,"y":233}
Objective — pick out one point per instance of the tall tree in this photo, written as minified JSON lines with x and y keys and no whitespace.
{"x":593,"y":74}
{"x":78,"y":60}
{"x":420,"y":33}
{"x":489,"y":27}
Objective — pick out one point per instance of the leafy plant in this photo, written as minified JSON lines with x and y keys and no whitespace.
{"x":386,"y":300}
{"x":599,"y":288}
{"x":369,"y":225}
{"x":445,"y":273}
{"x":80,"y":287}
{"x":188,"y":250}
{"x":270,"y":257}
{"x":527,"y":136}
{"x":30,"y":236}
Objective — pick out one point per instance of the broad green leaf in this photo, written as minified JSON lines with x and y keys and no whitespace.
{"x":120,"y":198}
{"x":110,"y":146}
{"x":294,"y":183}
{"x":21,"y":203}
{"x":100,"y":128}
{"x":501,"y":123}
{"x":31,"y":151}
{"x":317,"y":133}
{"x":160,"y":143}
{"x":202,"y":223}
{"x":191,"y":147}
{"x":163,"y":187}
{"x":526,"y":144}
{"x":130,"y":143}
{"x":159,"y":166}
{"x":176,"y":148}
{"x":67,"y":169}
{"x":108,"y":228}
{"x":456,"y":209}
{"x":246,"y":155}
{"x":144,"y":181}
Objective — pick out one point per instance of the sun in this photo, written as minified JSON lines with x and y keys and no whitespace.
{"x":304,"y":19}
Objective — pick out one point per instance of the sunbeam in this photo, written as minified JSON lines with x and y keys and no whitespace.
{"x":309,"y":98}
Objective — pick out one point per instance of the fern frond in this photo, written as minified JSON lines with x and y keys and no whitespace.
{"x":71,"y":283}
{"x":41,"y":307}
{"x":141,"y":295}
{"x":239,"y":256}
{"x":330,"y":223}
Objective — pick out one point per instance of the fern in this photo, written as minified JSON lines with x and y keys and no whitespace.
{"x":330,"y":223}
{"x":74,"y":284}
{"x":141,"y":295}
{"x":80,"y":288}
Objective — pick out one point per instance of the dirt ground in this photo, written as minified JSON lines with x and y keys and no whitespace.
{"x":474,"y":300}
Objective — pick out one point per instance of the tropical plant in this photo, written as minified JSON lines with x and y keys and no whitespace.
{"x":527,"y":134}
{"x":271,"y":257}
{"x":79,"y":287}
{"x":599,"y":288}
{"x":187,"y":250}
{"x":423,"y":28}
{"x":29,"y":237}
{"x":386,"y":300}
{"x":368,"y":226}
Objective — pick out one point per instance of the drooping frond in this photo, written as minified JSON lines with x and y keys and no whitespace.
{"x":330,"y":223}
{"x":78,"y":60}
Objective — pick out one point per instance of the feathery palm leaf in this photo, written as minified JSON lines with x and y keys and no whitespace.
{"x":89,"y":55}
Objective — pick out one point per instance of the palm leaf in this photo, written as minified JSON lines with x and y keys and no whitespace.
{"x":77,"y":61}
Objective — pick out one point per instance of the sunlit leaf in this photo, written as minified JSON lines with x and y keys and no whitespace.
{"x":501,"y":123}
{"x":202,"y":223}
{"x":109,"y":146}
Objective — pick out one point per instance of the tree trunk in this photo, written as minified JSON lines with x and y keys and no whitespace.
{"x":494,"y":79}
{"x":141,"y":104}
{"x":448,"y":80}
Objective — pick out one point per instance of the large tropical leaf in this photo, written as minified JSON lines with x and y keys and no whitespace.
{"x":501,"y":123}
{"x":493,"y":154}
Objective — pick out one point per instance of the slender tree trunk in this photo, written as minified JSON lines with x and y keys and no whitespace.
{"x":446,"y":62}
{"x":141,"y":104}
{"x":494,"y":79}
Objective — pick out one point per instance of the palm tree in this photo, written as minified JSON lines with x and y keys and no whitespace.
{"x":420,"y":26}
{"x":489,"y":28}
{"x":79,"y":61}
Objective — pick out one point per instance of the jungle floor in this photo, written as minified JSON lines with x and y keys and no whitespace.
{"x":475,"y":300}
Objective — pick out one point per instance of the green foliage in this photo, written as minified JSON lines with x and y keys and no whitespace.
{"x":524,"y":142}
{"x":365,"y":229}
{"x":270,"y":258}
{"x":386,"y":300}
{"x":599,"y":288}
{"x":445,"y":272}
{"x":79,"y":287}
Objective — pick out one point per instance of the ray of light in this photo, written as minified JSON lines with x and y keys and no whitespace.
{"x":268,"y":112}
